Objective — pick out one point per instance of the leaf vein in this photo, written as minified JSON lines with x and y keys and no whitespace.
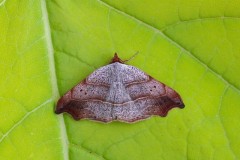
{"x":23,"y":118}
{"x":81,"y":147}
{"x":197,"y":19}
{"x":174,"y":43}
{"x":221,"y":122}
{"x":3,"y":3}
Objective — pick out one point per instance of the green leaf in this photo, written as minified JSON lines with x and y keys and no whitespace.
{"x":48,"y":47}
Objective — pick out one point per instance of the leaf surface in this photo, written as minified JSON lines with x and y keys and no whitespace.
{"x":47,"y":47}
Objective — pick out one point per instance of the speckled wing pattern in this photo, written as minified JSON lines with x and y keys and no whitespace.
{"x":118,"y":92}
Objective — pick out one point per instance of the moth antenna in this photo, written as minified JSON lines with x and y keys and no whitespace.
{"x":133,"y":56}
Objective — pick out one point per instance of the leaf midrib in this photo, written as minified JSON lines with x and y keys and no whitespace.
{"x":55,"y":91}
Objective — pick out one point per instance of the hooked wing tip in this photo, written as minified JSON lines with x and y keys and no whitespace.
{"x":60,"y":106}
{"x":181,"y":105}
{"x":58,"y":110}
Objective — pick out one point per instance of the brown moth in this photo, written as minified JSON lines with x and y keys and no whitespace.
{"x":118,"y":92}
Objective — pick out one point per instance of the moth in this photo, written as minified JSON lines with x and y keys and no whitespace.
{"x":118,"y":92}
